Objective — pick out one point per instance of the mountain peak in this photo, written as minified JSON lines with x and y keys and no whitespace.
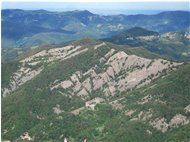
{"x":82,"y":13}
{"x":138,"y":31}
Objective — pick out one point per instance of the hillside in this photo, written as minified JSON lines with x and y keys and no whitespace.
{"x":174,"y":45}
{"x":95,"y":90}
{"x":137,"y":31}
{"x":26,"y":28}
{"x":113,"y":63}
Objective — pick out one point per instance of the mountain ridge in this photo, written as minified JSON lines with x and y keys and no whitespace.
{"x":175,"y":45}
{"x":77,"y":47}
{"x":79,"y":76}
{"x":56,"y":104}
{"x":79,"y":24}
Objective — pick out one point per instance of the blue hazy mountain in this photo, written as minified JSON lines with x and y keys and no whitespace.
{"x":26,"y":28}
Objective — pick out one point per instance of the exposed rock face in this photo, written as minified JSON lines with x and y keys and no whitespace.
{"x":145,"y":115}
{"x":26,"y":137}
{"x":187,"y":109}
{"x":23,"y":75}
{"x":83,"y":93}
{"x":89,"y":104}
{"x":177,"y":120}
{"x":57,"y":109}
{"x":50,"y":55}
{"x":149,"y":38}
{"x":145,"y":99}
{"x":162,"y":125}
{"x":187,"y":35}
{"x":31,"y":66}
{"x":64,"y":84}
{"x":130,"y":112}
{"x":120,"y":72}
{"x":92,"y":103}
{"x":77,"y":111}
{"x":53,"y":54}
{"x":99,"y":45}
{"x":116,"y":104}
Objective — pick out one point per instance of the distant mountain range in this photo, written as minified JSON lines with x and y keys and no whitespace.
{"x":21,"y":28}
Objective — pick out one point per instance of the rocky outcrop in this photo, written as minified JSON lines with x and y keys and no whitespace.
{"x":92,"y":103}
{"x":57,"y":109}
{"x":162,"y":125}
{"x":31,"y":66}
{"x":187,"y":109}
{"x":22,"y":75}
{"x":120,"y":72}
{"x":26,"y":137}
{"x":99,"y":45}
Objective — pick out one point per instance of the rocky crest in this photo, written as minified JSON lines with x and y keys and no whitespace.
{"x":31,"y":66}
{"x":117,"y":71}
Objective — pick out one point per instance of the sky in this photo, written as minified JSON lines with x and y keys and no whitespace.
{"x":101,"y":8}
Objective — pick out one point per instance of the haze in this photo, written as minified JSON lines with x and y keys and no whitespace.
{"x":102,"y":8}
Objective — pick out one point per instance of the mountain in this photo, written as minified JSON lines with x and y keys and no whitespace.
{"x":94,"y":90}
{"x":27,"y":28}
{"x":126,"y":36}
{"x":138,"y":31}
{"x":173,"y":45}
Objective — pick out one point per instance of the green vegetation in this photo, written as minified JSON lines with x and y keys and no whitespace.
{"x":174,"y":46}
{"x":7,"y":70}
{"x":31,"y":107}
{"x":179,"y":134}
{"x":142,"y":52}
